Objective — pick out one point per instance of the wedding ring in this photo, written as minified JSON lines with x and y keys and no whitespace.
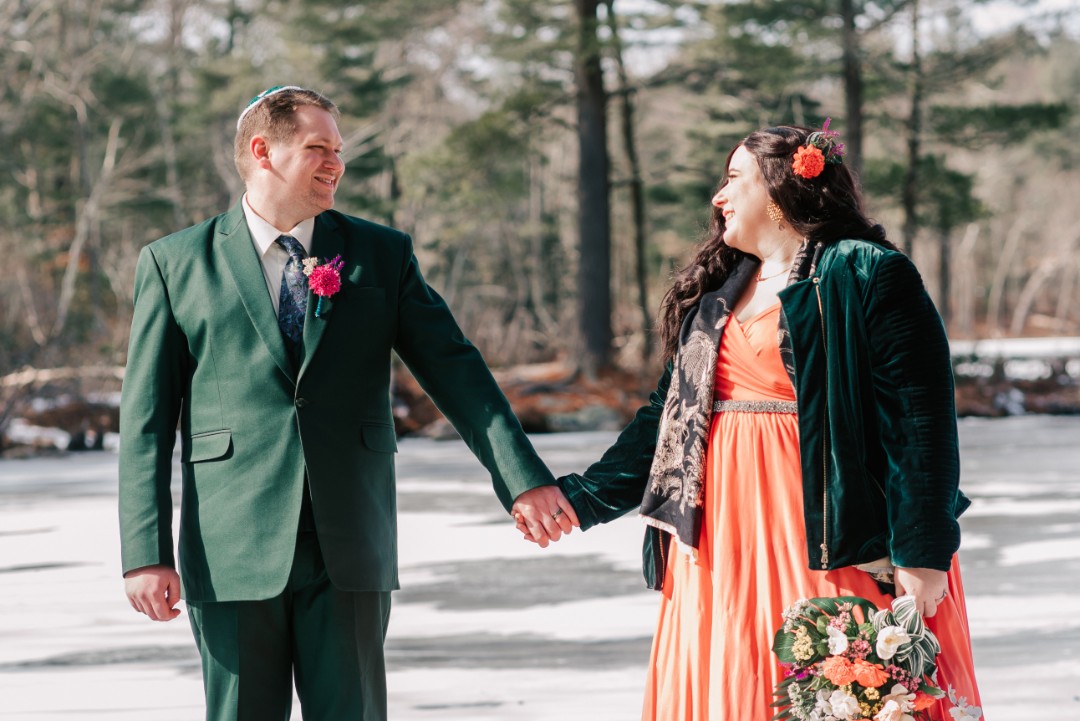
{"x":941,"y":598}
{"x":557,"y":513}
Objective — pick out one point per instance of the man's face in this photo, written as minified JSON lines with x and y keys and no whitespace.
{"x":306,"y":168}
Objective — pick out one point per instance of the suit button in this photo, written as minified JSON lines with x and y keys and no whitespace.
{"x":301,"y":402}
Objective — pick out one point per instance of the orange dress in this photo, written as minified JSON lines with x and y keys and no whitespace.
{"x":712,"y":656}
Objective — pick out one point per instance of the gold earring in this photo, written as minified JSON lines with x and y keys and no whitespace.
{"x":775,"y":214}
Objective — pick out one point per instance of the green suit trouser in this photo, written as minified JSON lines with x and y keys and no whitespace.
{"x":330,"y":640}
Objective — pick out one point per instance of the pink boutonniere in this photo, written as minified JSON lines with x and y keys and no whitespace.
{"x":324,"y":280}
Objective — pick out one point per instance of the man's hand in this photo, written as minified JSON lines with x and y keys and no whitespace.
{"x":929,"y":587}
{"x":154,"y":590}
{"x":543,"y":514}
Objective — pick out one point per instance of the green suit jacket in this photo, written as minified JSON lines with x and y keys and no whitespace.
{"x":205,"y":352}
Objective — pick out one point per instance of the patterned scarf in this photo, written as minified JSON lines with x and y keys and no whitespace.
{"x":674,"y":496}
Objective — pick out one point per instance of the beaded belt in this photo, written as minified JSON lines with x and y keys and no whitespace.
{"x":756,"y":406}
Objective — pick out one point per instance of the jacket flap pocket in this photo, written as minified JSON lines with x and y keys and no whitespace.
{"x":380,"y":438}
{"x":206,"y":446}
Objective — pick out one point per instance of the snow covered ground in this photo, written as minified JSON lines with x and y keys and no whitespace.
{"x":487,"y":626}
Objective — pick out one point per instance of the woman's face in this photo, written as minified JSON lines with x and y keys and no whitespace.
{"x":742,"y":199}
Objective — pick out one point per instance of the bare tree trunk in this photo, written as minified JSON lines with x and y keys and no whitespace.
{"x":164,"y":99}
{"x":87,"y":218}
{"x":853,"y":89}
{"x":637,"y":186}
{"x":1001,"y":274}
{"x":1054,"y":260}
{"x":37,"y":332}
{"x":944,"y":275}
{"x":456,"y":273}
{"x":594,"y":214}
{"x":1065,"y":295}
{"x":540,"y":277}
{"x":516,"y":261}
{"x":914,"y":130}
{"x":1030,"y":292}
{"x":797,"y":113}
{"x":965,"y":282}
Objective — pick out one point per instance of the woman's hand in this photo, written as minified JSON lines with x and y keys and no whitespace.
{"x":928,"y":585}
{"x":544,"y":514}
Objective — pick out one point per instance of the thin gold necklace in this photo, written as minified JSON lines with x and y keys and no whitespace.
{"x":761,"y":277}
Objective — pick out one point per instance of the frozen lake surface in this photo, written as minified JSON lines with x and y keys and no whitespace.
{"x":487,"y":626}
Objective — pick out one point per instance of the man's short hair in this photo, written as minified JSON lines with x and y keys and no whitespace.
{"x":273,"y":115}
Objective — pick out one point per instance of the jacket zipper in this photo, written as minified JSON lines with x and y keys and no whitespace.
{"x":824,"y":438}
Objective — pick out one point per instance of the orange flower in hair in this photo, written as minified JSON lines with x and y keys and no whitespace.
{"x":822,"y":147}
{"x":809,"y":162}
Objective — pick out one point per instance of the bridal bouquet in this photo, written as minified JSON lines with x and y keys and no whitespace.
{"x":846,"y":659}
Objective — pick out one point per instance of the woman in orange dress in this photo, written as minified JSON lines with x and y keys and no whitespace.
{"x":801,"y":443}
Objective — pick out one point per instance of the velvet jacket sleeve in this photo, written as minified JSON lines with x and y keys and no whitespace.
{"x":615,"y":484}
{"x":452,"y":372}
{"x":913,"y":387}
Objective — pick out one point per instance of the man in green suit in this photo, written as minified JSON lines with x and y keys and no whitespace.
{"x":287,"y":544}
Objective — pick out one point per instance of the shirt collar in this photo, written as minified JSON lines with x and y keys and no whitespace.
{"x":263,"y":234}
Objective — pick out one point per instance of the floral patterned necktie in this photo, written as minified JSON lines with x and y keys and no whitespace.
{"x":292,"y":301}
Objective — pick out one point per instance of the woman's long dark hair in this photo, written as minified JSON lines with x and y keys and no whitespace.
{"x":822,"y":209}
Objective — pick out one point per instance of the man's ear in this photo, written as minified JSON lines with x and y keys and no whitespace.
{"x":260,"y":151}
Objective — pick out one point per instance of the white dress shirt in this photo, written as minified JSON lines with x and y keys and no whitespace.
{"x":272,"y":255}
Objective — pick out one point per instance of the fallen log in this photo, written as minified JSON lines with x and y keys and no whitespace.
{"x":34,"y":376}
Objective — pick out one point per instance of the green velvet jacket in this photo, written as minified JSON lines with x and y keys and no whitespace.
{"x":877,"y":421}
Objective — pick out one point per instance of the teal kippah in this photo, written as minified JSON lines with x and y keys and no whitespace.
{"x":263,"y":96}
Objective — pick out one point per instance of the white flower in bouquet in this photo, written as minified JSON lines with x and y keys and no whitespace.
{"x":823,"y":710}
{"x":889,"y":640}
{"x":892,"y":711}
{"x":844,"y":705}
{"x":963,"y":711}
{"x":963,"y":715}
{"x":838,"y":641}
{"x":901,"y":697}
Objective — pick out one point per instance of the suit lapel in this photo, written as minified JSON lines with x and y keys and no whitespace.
{"x":246,"y":268}
{"x":326,"y":243}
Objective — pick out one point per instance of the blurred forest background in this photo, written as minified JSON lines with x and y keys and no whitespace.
{"x":553,"y":160}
